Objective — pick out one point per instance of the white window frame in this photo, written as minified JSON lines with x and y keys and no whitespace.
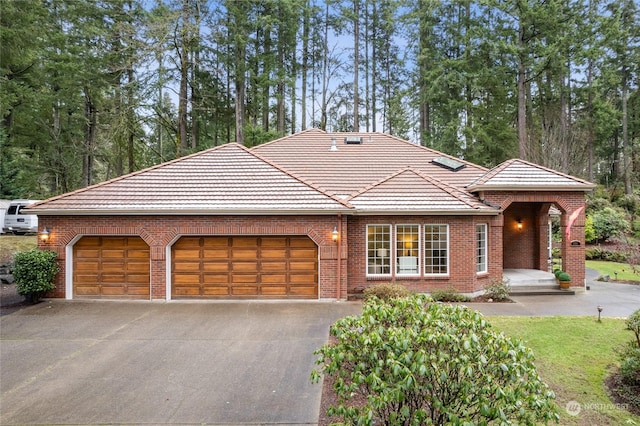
{"x":448,"y":249}
{"x":418,"y":249}
{"x":388,"y":255}
{"x":482,"y":252}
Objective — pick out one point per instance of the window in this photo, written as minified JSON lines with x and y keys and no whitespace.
{"x":407,"y":249}
{"x":481,"y":248}
{"x":378,"y":249}
{"x":436,"y":249}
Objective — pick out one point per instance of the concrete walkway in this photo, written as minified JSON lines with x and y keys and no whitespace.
{"x":616,"y":300}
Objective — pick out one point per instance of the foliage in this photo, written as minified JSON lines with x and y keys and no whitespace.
{"x":417,"y":362}
{"x":564,"y":277}
{"x":498,"y":290}
{"x":609,"y":222}
{"x":633,"y":324}
{"x":448,"y":294}
{"x":598,"y":253}
{"x":589,"y":230}
{"x":34,"y":271}
{"x":630,"y":356}
{"x":386,"y":291}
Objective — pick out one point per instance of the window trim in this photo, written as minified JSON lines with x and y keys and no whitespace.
{"x":390,"y":255}
{"x":424,"y":248}
{"x":420,"y":232}
{"x":485,"y":228}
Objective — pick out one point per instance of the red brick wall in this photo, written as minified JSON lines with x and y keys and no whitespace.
{"x":568,"y":202}
{"x":462,"y":252}
{"x":161,"y":231}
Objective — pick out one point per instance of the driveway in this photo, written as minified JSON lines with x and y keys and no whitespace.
{"x":160,"y":363}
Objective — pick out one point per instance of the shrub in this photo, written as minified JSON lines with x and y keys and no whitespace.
{"x":386,"y":291}
{"x":596,"y":253}
{"x":589,"y":230}
{"x":498,"y":290}
{"x":630,"y":354}
{"x":34,"y":271}
{"x":449,"y":294}
{"x":557,"y":272}
{"x":563,"y":276}
{"x":415,"y":362}
{"x":609,"y":222}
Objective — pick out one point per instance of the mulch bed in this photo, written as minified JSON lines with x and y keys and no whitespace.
{"x":622,"y":394}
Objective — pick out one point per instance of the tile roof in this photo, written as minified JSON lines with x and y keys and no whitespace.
{"x":352,"y":167}
{"x":520,"y":175}
{"x":409,"y":190}
{"x":226,"y":179}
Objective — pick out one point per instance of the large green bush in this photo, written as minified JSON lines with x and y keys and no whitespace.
{"x":609,"y":222}
{"x":630,"y":362}
{"x":418,"y":363}
{"x":34,"y":271}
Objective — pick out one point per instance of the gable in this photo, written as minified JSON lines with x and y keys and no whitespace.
{"x":520,"y":175}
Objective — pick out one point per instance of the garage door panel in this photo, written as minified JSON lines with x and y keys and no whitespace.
{"x":245,"y":267}
{"x":215,"y":267}
{"x":244,"y":290}
{"x":216,"y":291}
{"x":186,"y":279}
{"x":215,"y":254}
{"x":274,"y":290}
{"x":215,"y":279}
{"x":185,"y":254}
{"x":111,"y":267}
{"x":87,"y":290}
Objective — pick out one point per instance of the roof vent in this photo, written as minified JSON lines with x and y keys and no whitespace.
{"x":334,"y":147}
{"x":353,"y":140}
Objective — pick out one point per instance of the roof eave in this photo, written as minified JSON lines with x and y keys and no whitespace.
{"x":522,"y":188}
{"x":182,"y":212}
{"x":396,"y":212}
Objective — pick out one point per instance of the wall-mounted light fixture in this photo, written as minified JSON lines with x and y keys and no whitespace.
{"x":519,"y":224}
{"x":335,"y":234}
{"x":44,"y":235}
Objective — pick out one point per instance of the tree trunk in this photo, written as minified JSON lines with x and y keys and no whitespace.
{"x":356,"y":64}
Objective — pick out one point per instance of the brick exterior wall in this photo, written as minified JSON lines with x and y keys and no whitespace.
{"x":522,"y":248}
{"x":462,"y":253}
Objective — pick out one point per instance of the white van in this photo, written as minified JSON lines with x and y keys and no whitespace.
{"x":16,"y":222}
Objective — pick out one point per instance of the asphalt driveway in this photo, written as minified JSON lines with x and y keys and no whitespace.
{"x":159,"y":363}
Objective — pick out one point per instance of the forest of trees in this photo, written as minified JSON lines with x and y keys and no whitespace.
{"x":93,"y":89}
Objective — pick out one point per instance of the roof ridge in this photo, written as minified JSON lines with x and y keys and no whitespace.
{"x":492,"y":172}
{"x":310,"y":130}
{"x":550,"y":170}
{"x":137,"y":172}
{"x":298,"y":178}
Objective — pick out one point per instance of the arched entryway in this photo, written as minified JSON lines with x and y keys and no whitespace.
{"x":526,"y":236}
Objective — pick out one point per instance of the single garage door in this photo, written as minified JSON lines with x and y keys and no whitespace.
{"x":245,"y":267}
{"x":111,"y":267}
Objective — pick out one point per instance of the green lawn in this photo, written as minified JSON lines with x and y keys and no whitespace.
{"x":617,"y":271}
{"x":574,"y":356}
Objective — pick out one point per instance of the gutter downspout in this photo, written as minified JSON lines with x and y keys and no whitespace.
{"x":339,"y":255}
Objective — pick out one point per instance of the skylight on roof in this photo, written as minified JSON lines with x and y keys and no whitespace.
{"x":448,"y":163}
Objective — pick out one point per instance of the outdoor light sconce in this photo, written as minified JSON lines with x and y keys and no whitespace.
{"x":334,"y":234}
{"x":44,"y":235}
{"x":519,"y":224}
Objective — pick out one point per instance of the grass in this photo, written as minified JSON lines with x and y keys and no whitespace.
{"x":617,"y":271}
{"x":10,"y":244}
{"x":574,"y":356}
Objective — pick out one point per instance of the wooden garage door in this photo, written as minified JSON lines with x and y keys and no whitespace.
{"x":111,"y":267}
{"x":244,"y":267}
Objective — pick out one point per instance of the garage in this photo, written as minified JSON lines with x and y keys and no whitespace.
{"x":244,"y":267}
{"x":111,"y":267}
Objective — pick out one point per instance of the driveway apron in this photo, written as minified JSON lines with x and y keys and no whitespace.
{"x":163,"y":363}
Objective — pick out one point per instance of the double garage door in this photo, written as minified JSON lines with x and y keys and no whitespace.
{"x":201,"y":267}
